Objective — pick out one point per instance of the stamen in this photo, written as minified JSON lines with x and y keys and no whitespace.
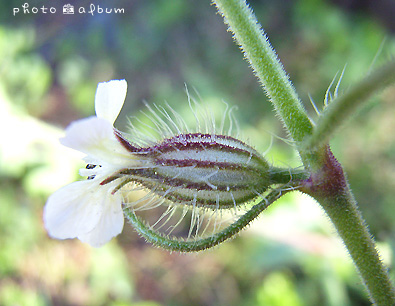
{"x":89,"y":167}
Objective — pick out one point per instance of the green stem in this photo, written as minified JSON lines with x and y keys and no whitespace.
{"x":330,"y":188}
{"x":327,"y":183}
{"x":194,"y":245}
{"x":354,"y":233}
{"x":287,"y":175}
{"x":266,"y":65}
{"x":341,"y":108}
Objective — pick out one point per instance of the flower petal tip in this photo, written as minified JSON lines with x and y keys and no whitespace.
{"x":109,"y":99}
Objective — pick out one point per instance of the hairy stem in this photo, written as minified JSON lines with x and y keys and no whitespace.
{"x":327,"y":183}
{"x":194,"y":245}
{"x":287,"y":175}
{"x":266,"y":65}
{"x":341,"y":108}
{"x":354,"y":233}
{"x":330,"y":188}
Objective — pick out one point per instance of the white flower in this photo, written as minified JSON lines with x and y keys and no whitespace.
{"x":86,"y":209}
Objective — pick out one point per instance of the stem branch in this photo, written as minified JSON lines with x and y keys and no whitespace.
{"x":341,"y":108}
{"x":194,"y":245}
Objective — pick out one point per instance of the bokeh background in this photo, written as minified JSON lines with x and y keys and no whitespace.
{"x":50,"y":65}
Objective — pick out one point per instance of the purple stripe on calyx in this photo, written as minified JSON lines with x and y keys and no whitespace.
{"x":196,"y":169}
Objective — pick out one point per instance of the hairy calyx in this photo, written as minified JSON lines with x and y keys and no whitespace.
{"x":203,"y":170}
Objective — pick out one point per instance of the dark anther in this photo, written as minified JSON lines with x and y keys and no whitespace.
{"x":91,"y":166}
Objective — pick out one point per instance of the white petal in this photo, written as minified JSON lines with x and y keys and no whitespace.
{"x":82,"y":134}
{"x":73,"y":210}
{"x":109,"y":99}
{"x":109,"y":225}
{"x":95,"y":137}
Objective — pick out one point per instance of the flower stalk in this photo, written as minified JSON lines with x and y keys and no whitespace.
{"x":195,"y":245}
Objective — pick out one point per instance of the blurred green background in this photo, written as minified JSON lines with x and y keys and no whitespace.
{"x":50,"y":65}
